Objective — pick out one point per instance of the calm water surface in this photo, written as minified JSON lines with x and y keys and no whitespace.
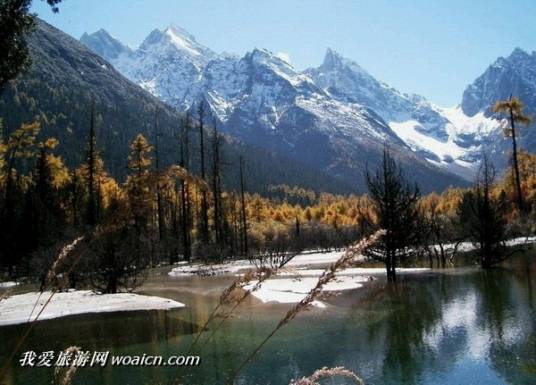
{"x":459,"y":327}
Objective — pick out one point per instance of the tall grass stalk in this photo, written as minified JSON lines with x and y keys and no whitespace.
{"x":324,"y":373}
{"x":261,"y":275}
{"x":70,"y":371}
{"x":327,"y":276}
{"x":225,"y":297}
{"x":66,"y":250}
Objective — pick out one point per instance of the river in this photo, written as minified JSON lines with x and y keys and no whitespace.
{"x":461,"y":326}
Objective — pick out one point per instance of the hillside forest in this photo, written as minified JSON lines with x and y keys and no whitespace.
{"x":164,"y":215}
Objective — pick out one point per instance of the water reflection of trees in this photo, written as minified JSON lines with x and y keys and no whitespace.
{"x":433,"y":322}
{"x":414,"y":310}
{"x":513,"y":321}
{"x":418,"y":330}
{"x":436,"y":322}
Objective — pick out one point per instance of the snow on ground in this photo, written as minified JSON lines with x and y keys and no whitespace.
{"x":293,"y":290}
{"x":352,"y":271}
{"x":18,"y":308}
{"x":5,"y":285}
{"x":469,"y":246}
{"x":304,"y":259}
{"x":293,"y":283}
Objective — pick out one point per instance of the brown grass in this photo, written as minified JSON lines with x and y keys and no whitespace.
{"x":64,"y":376}
{"x":324,"y":373}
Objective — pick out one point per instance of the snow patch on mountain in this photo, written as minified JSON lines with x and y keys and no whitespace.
{"x":261,"y":98}
{"x":445,"y":137}
{"x":479,"y":125}
{"x":460,"y":152}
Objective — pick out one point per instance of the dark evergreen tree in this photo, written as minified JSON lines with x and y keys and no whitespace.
{"x":481,"y":217}
{"x":216,"y":187}
{"x":91,"y":207}
{"x":16,"y":22}
{"x":159,"y":207}
{"x":395,"y":208}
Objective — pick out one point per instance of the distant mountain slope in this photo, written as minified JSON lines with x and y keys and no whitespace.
{"x":261,"y":99}
{"x":512,"y":75}
{"x":346,"y":81}
{"x":65,"y":75}
{"x":421,"y":125}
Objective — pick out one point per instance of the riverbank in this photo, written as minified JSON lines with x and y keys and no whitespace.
{"x":23,"y":308}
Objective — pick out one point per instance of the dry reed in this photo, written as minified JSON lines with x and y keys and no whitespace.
{"x":261,"y":275}
{"x":324,"y":373}
{"x":51,"y":274}
{"x":327,"y":276}
{"x":69,"y":373}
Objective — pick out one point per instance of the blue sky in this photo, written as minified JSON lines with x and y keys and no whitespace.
{"x":431,"y":47}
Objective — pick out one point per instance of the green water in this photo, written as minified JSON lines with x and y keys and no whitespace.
{"x":462,"y":326}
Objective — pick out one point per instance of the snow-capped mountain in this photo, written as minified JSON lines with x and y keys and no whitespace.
{"x":262,"y":99}
{"x":513,"y":75}
{"x":445,"y":137}
{"x":346,"y":81}
{"x":336,"y":117}
{"x":166,"y":64}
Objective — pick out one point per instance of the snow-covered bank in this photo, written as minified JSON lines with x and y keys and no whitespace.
{"x":304,"y":259}
{"x":293,"y":290}
{"x":469,"y":246}
{"x":18,"y":308}
{"x":350,"y":271}
{"x":299,"y":276}
{"x":8,"y":284}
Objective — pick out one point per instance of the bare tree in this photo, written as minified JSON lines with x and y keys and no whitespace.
{"x":185,"y":190}
{"x":204,"y":202}
{"x":244,"y":225}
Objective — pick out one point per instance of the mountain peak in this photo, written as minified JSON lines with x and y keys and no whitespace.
{"x":104,"y":44}
{"x":519,"y":52}
{"x":103,"y":32}
{"x":154,"y":37}
{"x":335,"y":61}
{"x":100,"y":34}
{"x":261,"y":53}
{"x":174,"y":30}
{"x":332,"y":59}
{"x":518,"y":55}
{"x":262,"y":56}
{"x":180,"y":40}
